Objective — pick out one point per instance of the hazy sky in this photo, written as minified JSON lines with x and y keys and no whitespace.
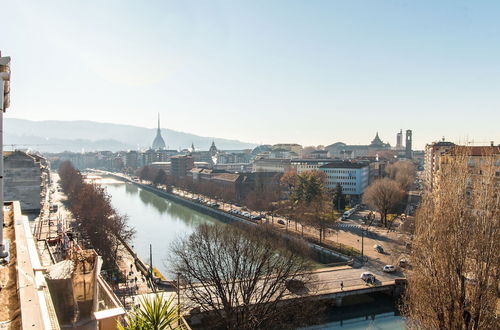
{"x":311,"y":72}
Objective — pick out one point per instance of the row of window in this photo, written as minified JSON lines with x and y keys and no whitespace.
{"x":333,"y":182}
{"x":341,"y":177}
{"x":340,"y":171}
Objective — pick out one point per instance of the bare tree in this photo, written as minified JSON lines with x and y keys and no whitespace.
{"x":403,"y":172}
{"x":91,"y":206}
{"x":239,"y":275}
{"x":455,"y":284}
{"x":383,"y":195}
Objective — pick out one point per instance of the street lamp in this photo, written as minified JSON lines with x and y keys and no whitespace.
{"x":4,"y":104}
{"x":362,"y":244}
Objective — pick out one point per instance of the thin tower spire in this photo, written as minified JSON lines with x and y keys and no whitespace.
{"x":158,"y":121}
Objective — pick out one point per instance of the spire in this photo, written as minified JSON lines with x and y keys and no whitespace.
{"x":158,"y":142}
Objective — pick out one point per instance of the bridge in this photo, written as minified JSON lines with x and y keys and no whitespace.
{"x":327,"y":282}
{"x":326,"y":285}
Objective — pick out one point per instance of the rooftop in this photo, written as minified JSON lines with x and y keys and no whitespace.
{"x":231,"y":177}
{"x":344,"y":165}
{"x":311,"y":160}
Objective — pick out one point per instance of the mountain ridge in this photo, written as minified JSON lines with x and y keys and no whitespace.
{"x":87,"y":135}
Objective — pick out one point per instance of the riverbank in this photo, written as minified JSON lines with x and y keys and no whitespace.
{"x":323,"y":255}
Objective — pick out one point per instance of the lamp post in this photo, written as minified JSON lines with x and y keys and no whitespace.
{"x":178,"y":294}
{"x":4,"y":104}
{"x":362,"y":244}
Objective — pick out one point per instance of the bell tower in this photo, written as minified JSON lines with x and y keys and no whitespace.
{"x":408,"y":150}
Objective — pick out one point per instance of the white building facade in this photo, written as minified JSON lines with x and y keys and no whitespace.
{"x":352,"y":177}
{"x":304,"y":165}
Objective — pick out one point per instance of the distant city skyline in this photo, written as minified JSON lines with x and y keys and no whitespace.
{"x":263,"y":72}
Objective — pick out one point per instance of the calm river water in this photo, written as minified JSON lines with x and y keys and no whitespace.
{"x":159,"y":221}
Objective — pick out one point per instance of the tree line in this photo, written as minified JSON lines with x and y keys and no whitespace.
{"x":96,"y":217}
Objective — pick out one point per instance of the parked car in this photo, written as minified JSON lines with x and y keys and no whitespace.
{"x":389,"y":268}
{"x":281,"y":222}
{"x":403,"y":262}
{"x":378,"y":248}
{"x":367,"y":277}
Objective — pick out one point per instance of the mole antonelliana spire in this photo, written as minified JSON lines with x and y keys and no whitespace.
{"x":158,"y":142}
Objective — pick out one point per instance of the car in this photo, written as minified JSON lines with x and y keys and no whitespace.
{"x":367,"y":277}
{"x":281,"y":222}
{"x":403,"y":262}
{"x":256,"y":217}
{"x":378,"y":248}
{"x":389,"y":268}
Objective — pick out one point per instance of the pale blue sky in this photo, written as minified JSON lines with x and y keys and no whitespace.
{"x":311,"y":72}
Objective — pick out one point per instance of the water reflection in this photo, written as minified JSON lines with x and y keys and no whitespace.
{"x":158,"y":203}
{"x":131,"y":189}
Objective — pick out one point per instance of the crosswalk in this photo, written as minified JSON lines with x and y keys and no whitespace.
{"x":347,"y":226}
{"x":354,"y":226}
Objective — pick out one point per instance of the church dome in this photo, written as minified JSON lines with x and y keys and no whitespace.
{"x":158,"y":142}
{"x":378,"y":143}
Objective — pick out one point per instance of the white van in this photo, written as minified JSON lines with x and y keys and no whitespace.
{"x":347,"y":214}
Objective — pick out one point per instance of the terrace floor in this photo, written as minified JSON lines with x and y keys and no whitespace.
{"x":10,"y":314}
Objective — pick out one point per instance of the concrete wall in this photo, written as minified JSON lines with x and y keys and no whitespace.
{"x":22,"y":180}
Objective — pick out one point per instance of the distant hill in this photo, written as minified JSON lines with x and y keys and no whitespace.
{"x":83,"y":135}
